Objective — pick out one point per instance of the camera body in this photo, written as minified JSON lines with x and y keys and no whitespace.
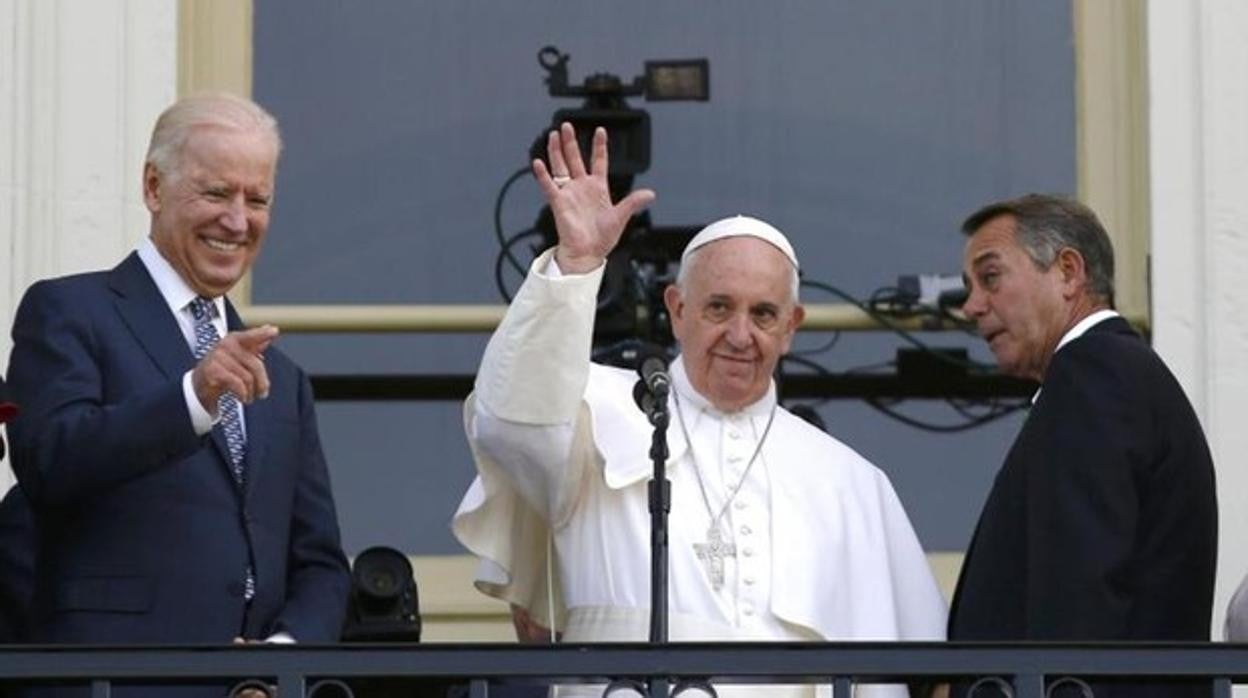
{"x":631,"y":310}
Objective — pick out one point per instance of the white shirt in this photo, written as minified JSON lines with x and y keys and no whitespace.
{"x":178,"y":295}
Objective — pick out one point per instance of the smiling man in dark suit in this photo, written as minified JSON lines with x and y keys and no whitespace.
{"x":170,"y":455}
{"x":1102,"y":524}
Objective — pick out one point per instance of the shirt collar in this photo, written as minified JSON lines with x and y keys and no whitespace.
{"x":698,"y":403}
{"x":1083,"y":326}
{"x":173,"y":288}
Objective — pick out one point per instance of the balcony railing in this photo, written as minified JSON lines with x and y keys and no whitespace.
{"x":483,"y":669}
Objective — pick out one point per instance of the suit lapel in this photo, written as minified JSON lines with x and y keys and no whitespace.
{"x":146,"y":314}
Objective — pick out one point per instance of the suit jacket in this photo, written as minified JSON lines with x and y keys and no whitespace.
{"x":1102,"y":524}
{"x":142,"y":534}
{"x":17,"y":565}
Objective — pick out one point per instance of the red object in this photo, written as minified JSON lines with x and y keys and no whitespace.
{"x":7,"y":411}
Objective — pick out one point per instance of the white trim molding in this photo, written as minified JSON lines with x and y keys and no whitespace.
{"x":80,"y":85}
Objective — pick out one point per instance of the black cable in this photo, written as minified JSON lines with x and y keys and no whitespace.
{"x":505,"y":253}
{"x":989,"y":405}
{"x":997,"y":411}
{"x":969,"y":365}
{"x":944,"y":428}
{"x":891,"y":302}
{"x":960,"y":322}
{"x":498,"y":219}
{"x":819,"y":349}
{"x":963,"y":407}
{"x":803,"y":361}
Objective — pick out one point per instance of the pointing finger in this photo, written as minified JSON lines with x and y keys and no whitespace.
{"x":256,"y":339}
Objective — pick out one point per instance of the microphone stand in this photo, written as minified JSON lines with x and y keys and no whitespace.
{"x":654,"y":404}
{"x":660,"y":505}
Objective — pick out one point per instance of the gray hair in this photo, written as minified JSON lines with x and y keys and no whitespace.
{"x":682,"y":275}
{"x":218,"y":109}
{"x":1046,"y":224}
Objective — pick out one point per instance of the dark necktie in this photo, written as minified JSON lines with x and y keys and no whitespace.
{"x":203,"y":310}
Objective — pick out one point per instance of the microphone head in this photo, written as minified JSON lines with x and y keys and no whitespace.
{"x":643,"y":397}
{"x":651,"y":359}
{"x":652,"y":365}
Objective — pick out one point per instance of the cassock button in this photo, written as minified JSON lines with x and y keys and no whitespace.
{"x":739,"y":504}
{"x":748,"y":610}
{"x":749,"y":581}
{"x":734,"y":434}
{"x":746,"y":530}
{"x":748,"y":552}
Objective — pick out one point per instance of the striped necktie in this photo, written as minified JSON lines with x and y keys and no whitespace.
{"x":203,"y":310}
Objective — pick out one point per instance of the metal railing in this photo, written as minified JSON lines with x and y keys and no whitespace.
{"x":482,"y":668}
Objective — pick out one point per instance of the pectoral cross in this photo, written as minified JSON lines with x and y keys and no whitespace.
{"x":712,"y":554}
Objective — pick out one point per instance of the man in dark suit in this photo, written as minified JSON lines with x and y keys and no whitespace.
{"x":170,"y":455}
{"x":1102,"y":524}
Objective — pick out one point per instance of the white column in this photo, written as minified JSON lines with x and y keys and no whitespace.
{"x":1198,"y":60}
{"x":81,"y":82}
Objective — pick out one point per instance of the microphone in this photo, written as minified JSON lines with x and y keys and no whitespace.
{"x":652,"y":367}
{"x":651,"y":391}
{"x":645,"y":399}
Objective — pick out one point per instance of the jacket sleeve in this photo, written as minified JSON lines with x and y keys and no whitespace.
{"x":67,"y":442}
{"x":318,"y":579}
{"x":1083,"y":503}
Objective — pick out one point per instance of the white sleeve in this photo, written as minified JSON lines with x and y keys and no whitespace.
{"x":530,"y":389}
{"x":201,"y":420}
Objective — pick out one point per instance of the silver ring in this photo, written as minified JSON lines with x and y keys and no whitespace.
{"x":560,"y":180}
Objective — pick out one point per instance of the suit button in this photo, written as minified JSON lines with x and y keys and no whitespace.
{"x":235,"y":589}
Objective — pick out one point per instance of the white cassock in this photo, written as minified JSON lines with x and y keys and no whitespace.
{"x":823,"y":548}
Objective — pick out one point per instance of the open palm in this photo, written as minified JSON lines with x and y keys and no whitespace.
{"x":589,"y":225}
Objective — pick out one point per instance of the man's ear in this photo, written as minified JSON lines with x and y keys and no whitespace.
{"x":672,"y":299}
{"x":799,"y":314}
{"x":795,"y":321}
{"x":1073,"y":270}
{"x":152,"y":187}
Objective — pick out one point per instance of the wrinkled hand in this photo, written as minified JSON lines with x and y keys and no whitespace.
{"x":235,"y":365}
{"x":528,"y":631}
{"x":589,"y":225}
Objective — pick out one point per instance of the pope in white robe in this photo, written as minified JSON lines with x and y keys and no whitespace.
{"x":813,"y":543}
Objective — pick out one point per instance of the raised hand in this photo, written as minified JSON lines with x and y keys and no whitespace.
{"x":234,"y":365}
{"x":589,"y":225}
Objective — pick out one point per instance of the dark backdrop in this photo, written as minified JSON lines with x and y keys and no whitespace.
{"x":866,"y":131}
